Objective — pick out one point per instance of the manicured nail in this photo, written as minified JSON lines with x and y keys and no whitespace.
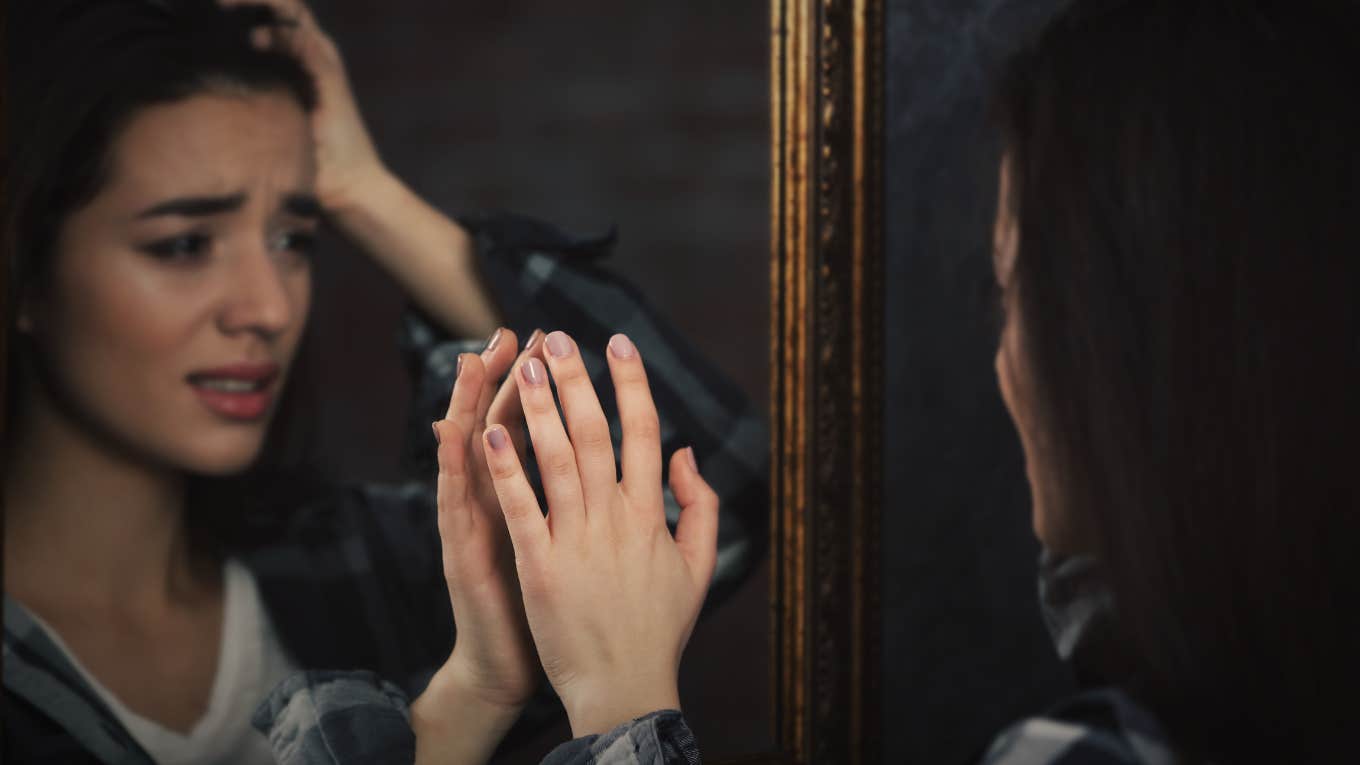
{"x":533,"y":340}
{"x":497,"y":438}
{"x":559,"y":345}
{"x":435,"y":427}
{"x":533,"y":372}
{"x":622,"y":347}
{"x":493,"y":341}
{"x":458,"y":369}
{"x":689,"y":453}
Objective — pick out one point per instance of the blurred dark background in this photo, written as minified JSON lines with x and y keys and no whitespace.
{"x":650,"y":116}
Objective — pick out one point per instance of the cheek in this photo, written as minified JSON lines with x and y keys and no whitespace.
{"x":298,"y":285}
{"x":120,"y":331}
{"x":1006,"y":381}
{"x":1005,"y":377}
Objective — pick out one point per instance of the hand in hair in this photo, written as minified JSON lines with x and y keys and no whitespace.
{"x":475,"y":697}
{"x":611,"y":597}
{"x":347,"y":161}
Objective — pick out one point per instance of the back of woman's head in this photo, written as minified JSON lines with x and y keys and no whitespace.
{"x":1184,"y":180}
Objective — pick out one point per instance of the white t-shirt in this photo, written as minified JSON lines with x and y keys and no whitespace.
{"x":249,"y":664}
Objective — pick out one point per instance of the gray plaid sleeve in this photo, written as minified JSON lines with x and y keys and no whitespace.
{"x":337,"y":718}
{"x":660,"y":738}
{"x":1103,"y":726}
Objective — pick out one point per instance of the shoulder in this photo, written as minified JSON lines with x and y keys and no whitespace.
{"x":1103,"y":725}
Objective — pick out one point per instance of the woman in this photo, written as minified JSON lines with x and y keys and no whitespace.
{"x":162,"y":569}
{"x":1176,"y":249}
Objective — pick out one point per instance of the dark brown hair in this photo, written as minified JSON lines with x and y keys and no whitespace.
{"x":1185,"y":178}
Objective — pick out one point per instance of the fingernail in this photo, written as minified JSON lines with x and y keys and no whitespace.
{"x":689,"y":452}
{"x":497,"y":438}
{"x":533,"y":339}
{"x":533,"y":372}
{"x":458,"y":369}
{"x":435,"y":427}
{"x":493,"y":341}
{"x":559,"y":345}
{"x":622,"y":347}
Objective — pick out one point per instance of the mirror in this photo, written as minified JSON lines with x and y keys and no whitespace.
{"x":645,"y":122}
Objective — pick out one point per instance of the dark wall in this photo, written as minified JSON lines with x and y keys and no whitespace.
{"x":651,"y":116}
{"x":965,"y":651}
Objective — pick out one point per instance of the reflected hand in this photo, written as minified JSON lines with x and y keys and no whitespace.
{"x":346,"y":158}
{"x":493,"y":655}
{"x":492,"y":671}
{"x":611,"y":598}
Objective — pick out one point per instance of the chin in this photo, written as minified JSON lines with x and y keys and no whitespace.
{"x":222,"y":457}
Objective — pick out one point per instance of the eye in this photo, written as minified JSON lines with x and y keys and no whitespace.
{"x":179,"y":249}
{"x":298,"y":241}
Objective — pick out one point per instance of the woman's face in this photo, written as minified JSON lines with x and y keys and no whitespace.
{"x":180,"y":292}
{"x":1010,"y":366}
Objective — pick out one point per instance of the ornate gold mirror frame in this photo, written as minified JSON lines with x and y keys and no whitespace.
{"x":826,"y":376}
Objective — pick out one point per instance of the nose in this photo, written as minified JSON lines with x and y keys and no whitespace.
{"x":258,"y":298}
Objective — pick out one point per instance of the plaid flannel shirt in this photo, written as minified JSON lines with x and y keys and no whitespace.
{"x":352,"y":578}
{"x":327,"y":718}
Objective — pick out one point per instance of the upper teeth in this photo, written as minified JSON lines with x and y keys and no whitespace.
{"x":228,"y":385}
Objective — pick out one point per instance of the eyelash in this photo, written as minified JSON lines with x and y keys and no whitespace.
{"x":301,"y":242}
{"x":194,"y":247}
{"x":179,"y":248}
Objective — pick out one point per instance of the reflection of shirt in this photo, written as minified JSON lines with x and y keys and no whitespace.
{"x":351,"y":576}
{"x":322,"y":713}
{"x":250,"y":663}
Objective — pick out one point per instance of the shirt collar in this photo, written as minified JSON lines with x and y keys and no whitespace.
{"x":38,"y":671}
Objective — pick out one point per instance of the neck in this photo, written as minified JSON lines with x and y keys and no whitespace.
{"x":90,"y":525}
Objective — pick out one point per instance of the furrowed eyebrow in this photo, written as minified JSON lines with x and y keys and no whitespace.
{"x":195,"y":207}
{"x":302,"y":205}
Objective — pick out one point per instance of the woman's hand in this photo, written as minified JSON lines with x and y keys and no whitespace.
{"x":611,"y":598}
{"x":477,"y":694}
{"x":347,"y":163}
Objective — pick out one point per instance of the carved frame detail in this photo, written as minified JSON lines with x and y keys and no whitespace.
{"x":826,"y":376}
